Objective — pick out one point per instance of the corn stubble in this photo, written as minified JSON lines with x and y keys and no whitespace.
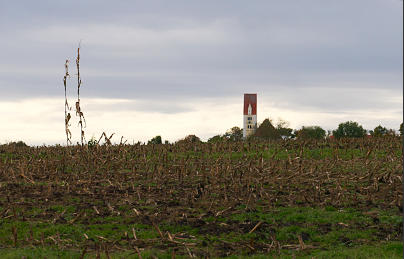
{"x":195,"y":184}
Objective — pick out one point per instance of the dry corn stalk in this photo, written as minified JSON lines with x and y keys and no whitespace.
{"x":107,"y":140}
{"x":67,"y":108}
{"x":78,"y":107}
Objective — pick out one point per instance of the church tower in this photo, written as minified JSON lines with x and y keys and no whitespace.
{"x":249,"y":115}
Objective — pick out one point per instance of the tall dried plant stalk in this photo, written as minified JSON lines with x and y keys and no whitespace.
{"x":78,"y":108}
{"x":67,"y":108}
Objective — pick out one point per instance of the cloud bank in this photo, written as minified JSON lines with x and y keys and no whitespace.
{"x":310,"y":62}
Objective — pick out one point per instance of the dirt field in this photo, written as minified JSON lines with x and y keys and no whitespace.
{"x":278,"y":199}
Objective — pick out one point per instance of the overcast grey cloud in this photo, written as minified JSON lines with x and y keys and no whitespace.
{"x":334,"y":57}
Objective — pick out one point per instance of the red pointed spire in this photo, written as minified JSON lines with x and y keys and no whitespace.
{"x":250,"y":99}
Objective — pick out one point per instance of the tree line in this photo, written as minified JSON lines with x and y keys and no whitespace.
{"x":268,"y":131}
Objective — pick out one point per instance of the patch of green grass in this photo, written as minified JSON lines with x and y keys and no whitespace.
{"x":346,"y":236}
{"x":235,"y":237}
{"x":75,"y":232}
{"x":54,"y":253}
{"x":390,"y":250}
{"x":116,"y":231}
{"x":305,"y":215}
{"x":290,"y":233}
{"x":30,"y":253}
{"x":327,"y":226}
{"x":7,"y":156}
{"x":388,"y":218}
{"x":178,"y":228}
{"x":277,"y":152}
{"x":61,"y":208}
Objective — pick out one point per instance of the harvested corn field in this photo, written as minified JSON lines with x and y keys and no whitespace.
{"x":282,"y":199}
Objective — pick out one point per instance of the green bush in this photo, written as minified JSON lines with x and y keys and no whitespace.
{"x":310,"y":132}
{"x":349,"y":129}
{"x":155,"y":140}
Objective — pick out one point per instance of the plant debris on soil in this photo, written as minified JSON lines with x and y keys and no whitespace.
{"x":202,"y":199}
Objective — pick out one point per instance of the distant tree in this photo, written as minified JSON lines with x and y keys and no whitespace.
{"x":190,"y":139}
{"x":155,"y":140}
{"x":401,"y":129}
{"x":349,"y":129}
{"x":391,"y":132}
{"x":286,"y":132}
{"x":234,"y":134}
{"x":267,"y":131}
{"x":283,"y":129}
{"x":379,"y":131}
{"x":282,"y":123}
{"x":19,"y":143}
{"x":217,"y":138}
{"x":311,"y":132}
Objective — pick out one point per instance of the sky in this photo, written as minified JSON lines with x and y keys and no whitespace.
{"x":174,"y":68}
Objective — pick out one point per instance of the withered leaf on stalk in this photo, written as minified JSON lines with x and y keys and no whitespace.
{"x":78,"y":108}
